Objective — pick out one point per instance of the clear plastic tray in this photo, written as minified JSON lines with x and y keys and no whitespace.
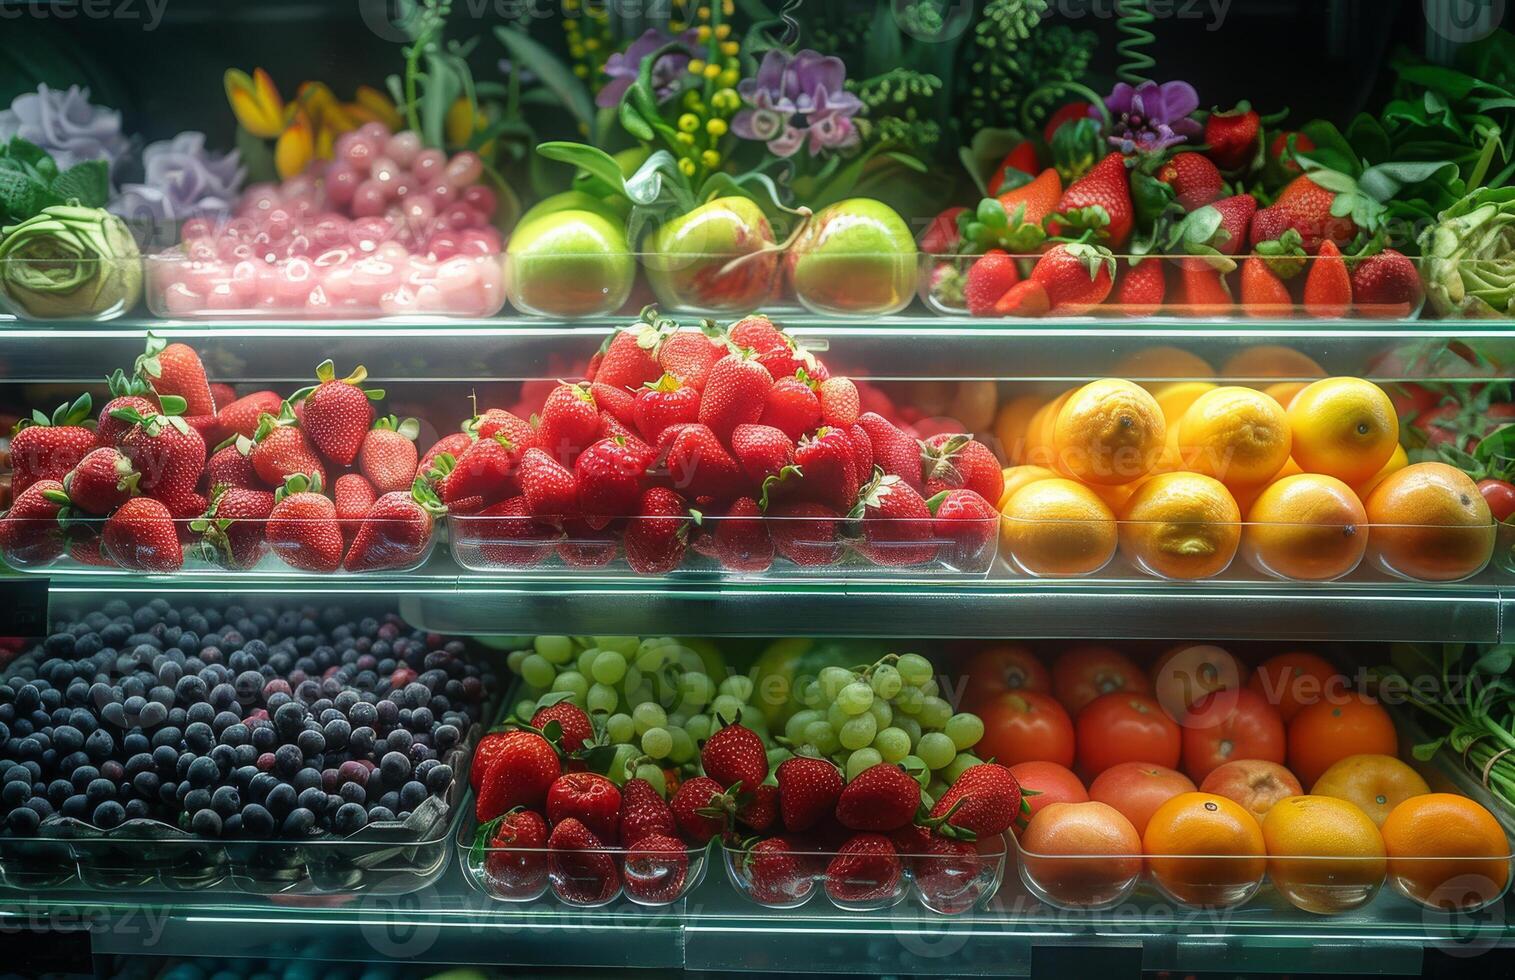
{"x":107,"y":289}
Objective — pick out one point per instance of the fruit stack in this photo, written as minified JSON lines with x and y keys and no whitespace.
{"x":724,"y":453}
{"x":388,"y":228}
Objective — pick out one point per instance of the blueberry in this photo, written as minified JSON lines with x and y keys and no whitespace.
{"x":114,"y":713}
{"x":224,"y":720}
{"x":262,"y":784}
{"x":224,"y":756}
{"x":389,"y":713}
{"x":281,"y":799}
{"x":15,"y":792}
{"x":363,"y":714}
{"x":361,"y":742}
{"x":153,"y":714}
{"x":199,"y":712}
{"x":288,"y":759}
{"x":196,"y":799}
{"x":312,"y":799}
{"x":100,"y":790}
{"x":107,"y":815}
{"x":191,"y":690}
{"x":439,"y":778}
{"x":235,"y":734}
{"x":146,"y":784}
{"x":23,"y":820}
{"x":398,"y":740}
{"x":380,"y":813}
{"x":67,"y":738}
{"x":349,"y":819}
{"x":352,"y":792}
{"x":311,"y":742}
{"x":99,"y":744}
{"x":411,"y":795}
{"x":299,"y":823}
{"x":141,"y":762}
{"x":246,"y":755}
{"x":394,"y":768}
{"x":76,"y":806}
{"x":165,"y":758}
{"x":264,"y":738}
{"x":337,"y":732}
{"x":206,"y":823}
{"x":226,"y":800}
{"x":203,"y":771}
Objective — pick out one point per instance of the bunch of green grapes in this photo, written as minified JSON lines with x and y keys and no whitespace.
{"x":889,"y":711}
{"x":652,"y":699}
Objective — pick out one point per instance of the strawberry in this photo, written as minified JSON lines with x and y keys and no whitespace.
{"x":757,"y":333}
{"x":573,"y":724}
{"x":132,"y":393}
{"x":515,"y":859}
{"x":229,"y":466}
{"x":240,"y":418}
{"x":1234,"y":138}
{"x":168,"y":454}
{"x":665,"y":402}
{"x":698,"y":464}
{"x":1263,"y":294}
{"x":280,"y":449}
{"x":951,"y":874}
{"x":488,"y":469}
{"x":1140,"y":290}
{"x":588,"y":797}
{"x":141,"y":535}
{"x":387,"y":456}
{"x":302,"y":527}
{"x":1202,"y":291}
{"x":896,"y":523}
{"x":184,"y":504}
{"x":337,"y":413}
{"x":569,"y":422}
{"x":777,"y":871}
{"x":984,"y":801}
{"x":736,"y":392}
{"x":655,"y":538}
{"x":507,"y":536}
{"x":967,"y":526}
{"x":352,"y":495}
{"x":893,"y":451}
{"x":1236,"y":213}
{"x":865,"y":869}
{"x":395,"y":532}
{"x":656,"y":869}
{"x":1308,"y":207}
{"x":1077,"y":277}
{"x":990,"y":277}
{"x":222,"y":394}
{"x":630,"y":355}
{"x":696,"y":809}
{"x":86,"y":546}
{"x":1022,"y":157}
{"x":616,"y":403}
{"x":792,"y":407}
{"x":1106,"y":187}
{"x":102,"y":481}
{"x":609,"y":475}
{"x":496,"y":421}
{"x":911,"y":840}
{"x":490,"y":747}
{"x":1387,"y":285}
{"x":583,"y":547}
{"x":47,"y":447}
{"x":1328,"y":287}
{"x":643,"y":813}
{"x":960,"y":461}
{"x":808,"y":791}
{"x":942,"y":236}
{"x":175,"y":369}
{"x":827,"y":468}
{"x":234,"y":527}
{"x":548,"y":488}
{"x":840,"y":402}
{"x":521,"y":766}
{"x":735,"y":754}
{"x":453,"y":444}
{"x":1194,"y":179}
{"x":805,"y":533}
{"x":760,"y":811}
{"x":29,"y":531}
{"x":1064,"y":114}
{"x":1033,"y":203}
{"x":581,"y":870}
{"x":689,"y":355}
{"x":1028,"y":298}
{"x":882,"y":797}
{"x":741,"y":536}
{"x":761,"y":451}
{"x":862,"y":450}
{"x":1279,"y":150}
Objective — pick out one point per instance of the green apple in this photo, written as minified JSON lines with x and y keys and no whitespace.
{"x":569,"y":263}
{"x":612,"y":208}
{"x":718,"y":258}
{"x":855,"y":257}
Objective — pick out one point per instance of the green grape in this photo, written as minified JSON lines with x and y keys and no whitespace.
{"x":525,"y":709}
{"x":752,"y":718}
{"x":892,"y":744}
{"x":822,"y":736}
{"x":698,"y":727}
{"x":855,"y":698}
{"x":608,"y":668}
{"x":514,"y":658}
{"x":910,"y":727}
{"x":654,"y":775}
{"x":727,"y":707}
{"x":683,"y":746}
{"x":624,"y":645}
{"x":677,"y":719}
{"x":964,"y":729}
{"x":857,"y":732}
{"x":833,"y":679}
{"x":586,"y":661}
{"x":619,"y":728}
{"x":886,"y":681}
{"x":619,"y":762}
{"x":639,"y":695}
{"x":556,"y":649}
{"x":696,"y":690}
{"x":963,"y":762}
{"x":738,"y":686}
{"x":883,"y":715}
{"x":657,"y":742}
{"x":860,"y":760}
{"x":634,"y":681}
{"x":652,"y":655}
{"x":917,"y":769}
{"x":835,"y":716}
{"x":648,"y":715}
{"x":909,"y":700}
{"x":934,"y":713}
{"x":573,"y":682}
{"x":794,"y":728}
{"x":930,"y":688}
{"x":537,"y":671}
{"x":811,"y":695}
{"x":936,"y":750}
{"x":914,"y":669}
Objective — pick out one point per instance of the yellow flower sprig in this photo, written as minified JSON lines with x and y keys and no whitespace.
{"x":305,"y":128}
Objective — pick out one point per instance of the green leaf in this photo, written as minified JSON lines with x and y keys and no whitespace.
{"x":1453,"y":84}
{"x":87,"y":182}
{"x":885,"y":50}
{"x":982,"y":156}
{"x":22,"y":196}
{"x":590,"y":159}
{"x":25,"y":151}
{"x":556,"y":76}
{"x":1496,"y":662}
{"x":1368,"y":138}
{"x":1386,"y":180}
{"x":1497,"y":444}
{"x":1331,"y":148}
{"x":1426,"y":751}
{"x":633,"y":123}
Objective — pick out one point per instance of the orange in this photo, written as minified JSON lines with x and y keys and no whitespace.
{"x":1204,"y":849}
{"x":1010,"y":425}
{"x":1057,"y":528}
{"x":1237,"y":435}
{"x":1175,"y":397}
{"x":1108,"y":432}
{"x":1290,"y":681}
{"x":1020,"y":476}
{"x":1324,"y":854}
{"x":1396,"y":462}
{"x":1039,"y":446}
{"x":1247,"y":496}
{"x":1162,"y":364}
{"x":1080,"y":854}
{"x":1270,"y":361}
{"x":1309,"y":527}
{"x":1446,"y":852}
{"x":1333,"y":728}
{"x":1343,"y":427}
{"x":1375,"y":783}
{"x":1430,"y":523}
{"x":1283,"y":392}
{"x":1115,"y":497}
{"x":1181,"y":526}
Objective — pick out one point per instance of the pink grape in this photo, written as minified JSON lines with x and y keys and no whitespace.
{"x":443,"y":245}
{"x":369,"y":199}
{"x":366,"y":233}
{"x":429,"y":166}
{"x":463,"y":169}
{"x":374,"y":132}
{"x":441,"y":193}
{"x":387,"y":173}
{"x":341,"y":181}
{"x":481,"y":199}
{"x":403,"y":147}
{"x":358,"y":155}
{"x":197,"y":228}
{"x":419,"y":211}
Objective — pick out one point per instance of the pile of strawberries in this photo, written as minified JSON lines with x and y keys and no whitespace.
{"x":739,"y":446}
{"x":176,"y":466}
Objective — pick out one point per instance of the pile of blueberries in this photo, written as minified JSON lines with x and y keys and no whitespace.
{"x":239,"y":723}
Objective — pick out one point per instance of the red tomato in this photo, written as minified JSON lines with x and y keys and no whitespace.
{"x":1137,"y":789}
{"x":1024,"y":726}
{"x":1122,"y":727}
{"x":1081,"y":674}
{"x":1004,"y":669}
{"x":1500,"y":495}
{"x":1044,"y":783}
{"x":1231,"y":725}
{"x":1184,"y":675}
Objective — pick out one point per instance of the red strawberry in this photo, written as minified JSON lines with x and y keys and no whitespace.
{"x":46,"y":448}
{"x":240,"y":418}
{"x":1308,"y":206}
{"x":352,"y":495}
{"x":132,"y":393}
{"x":29,"y":531}
{"x":337,"y":413}
{"x":1280,"y":152}
{"x":952,"y":875}
{"x":736,"y":393}
{"x":610,"y":475}
{"x":387,"y":457}
{"x":453,"y":444}
{"x":696,"y":809}
{"x":893,"y":451}
{"x":281,"y":450}
{"x":491,"y":745}
{"x":698,"y":465}
{"x":184,"y":504}
{"x":175,"y":369}
{"x":229,"y":466}
{"x":1234,"y":138}
{"x":582,"y":870}
{"x":882,"y":797}
{"x":960,"y":461}
{"x":630,"y":355}
{"x":865,"y":869}
{"x":741,"y":538}
{"x":805,"y":533}
{"x":862,"y":450}
{"x":985,"y":800}
{"x":827,"y":470}
{"x":1263,"y":294}
{"x":583,"y":547}
{"x":1140,"y":289}
{"x":1194,"y":179}
{"x":808,"y":791}
{"x":644,"y":812}
{"x":486,"y":470}
{"x":569,"y":422}
{"x":395,"y":532}
{"x":1107,"y":187}
{"x":1328,"y":287}
{"x":102,"y":481}
{"x":591,"y":799}
{"x":1022,"y":158}
{"x":223,"y":393}
{"x":507,"y":536}
{"x":1071,"y":112}
{"x":1202,"y":291}
{"x":778,"y":871}
{"x":573,"y":723}
{"x":515,"y":859}
{"x":689,"y":355}
{"x":911,"y":840}
{"x":840,"y":404}
{"x":942,"y":236}
{"x":967,"y":526}
{"x":549,"y":489}
{"x":616,"y":403}
{"x":496,"y":421}
{"x":166,"y":451}
{"x":760,"y":811}
{"x":1236,"y":215}
{"x":302,"y":527}
{"x":1387,"y":285}
{"x":1028,"y":298}
{"x":1077,"y":277}
{"x":896,"y":523}
{"x":655,"y":538}
{"x":234,"y":526}
{"x":735,"y":754}
{"x":761,"y":451}
{"x":523,"y":767}
{"x":990,"y":277}
{"x":656,"y":869}
{"x":792,"y":407}
{"x":757,"y":333}
{"x":663,"y":403}
{"x":141,"y":535}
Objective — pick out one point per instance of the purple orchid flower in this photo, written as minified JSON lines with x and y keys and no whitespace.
{"x":796,"y":101}
{"x":667,"y":73}
{"x":1151,"y":116}
{"x":67,"y":126}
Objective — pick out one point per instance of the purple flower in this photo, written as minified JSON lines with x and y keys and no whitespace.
{"x":66,"y":125}
{"x":667,"y":73}
{"x":1151,"y":117}
{"x":798,"y":100}
{"x":180,"y":181}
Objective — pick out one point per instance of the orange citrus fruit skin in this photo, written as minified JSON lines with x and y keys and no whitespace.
{"x":1020,"y":476}
{"x":1081,"y":854}
{"x":1396,"y":462}
{"x":1446,"y":852}
{"x":1271,"y":361}
{"x":1332,"y":729}
{"x":1324,"y":854}
{"x":1040,"y":450}
{"x":1308,"y":528}
{"x":1376,"y":784}
{"x":1237,"y":435}
{"x":1175,"y":397}
{"x":1011,"y":424}
{"x":1283,"y":392}
{"x":1057,"y":528}
{"x":1163,"y":364}
{"x":1343,"y":427}
{"x":1205,"y":850}
{"x":1430,"y":524}
{"x":1181,"y":526}
{"x":1290,"y":681}
{"x":1109,"y":432}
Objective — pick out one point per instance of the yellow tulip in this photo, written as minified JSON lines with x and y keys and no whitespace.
{"x":296,"y":147}
{"x":463,"y":120}
{"x":378,"y":105}
{"x":324,"y":109}
{"x":255,"y":102}
{"x":326,"y":143}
